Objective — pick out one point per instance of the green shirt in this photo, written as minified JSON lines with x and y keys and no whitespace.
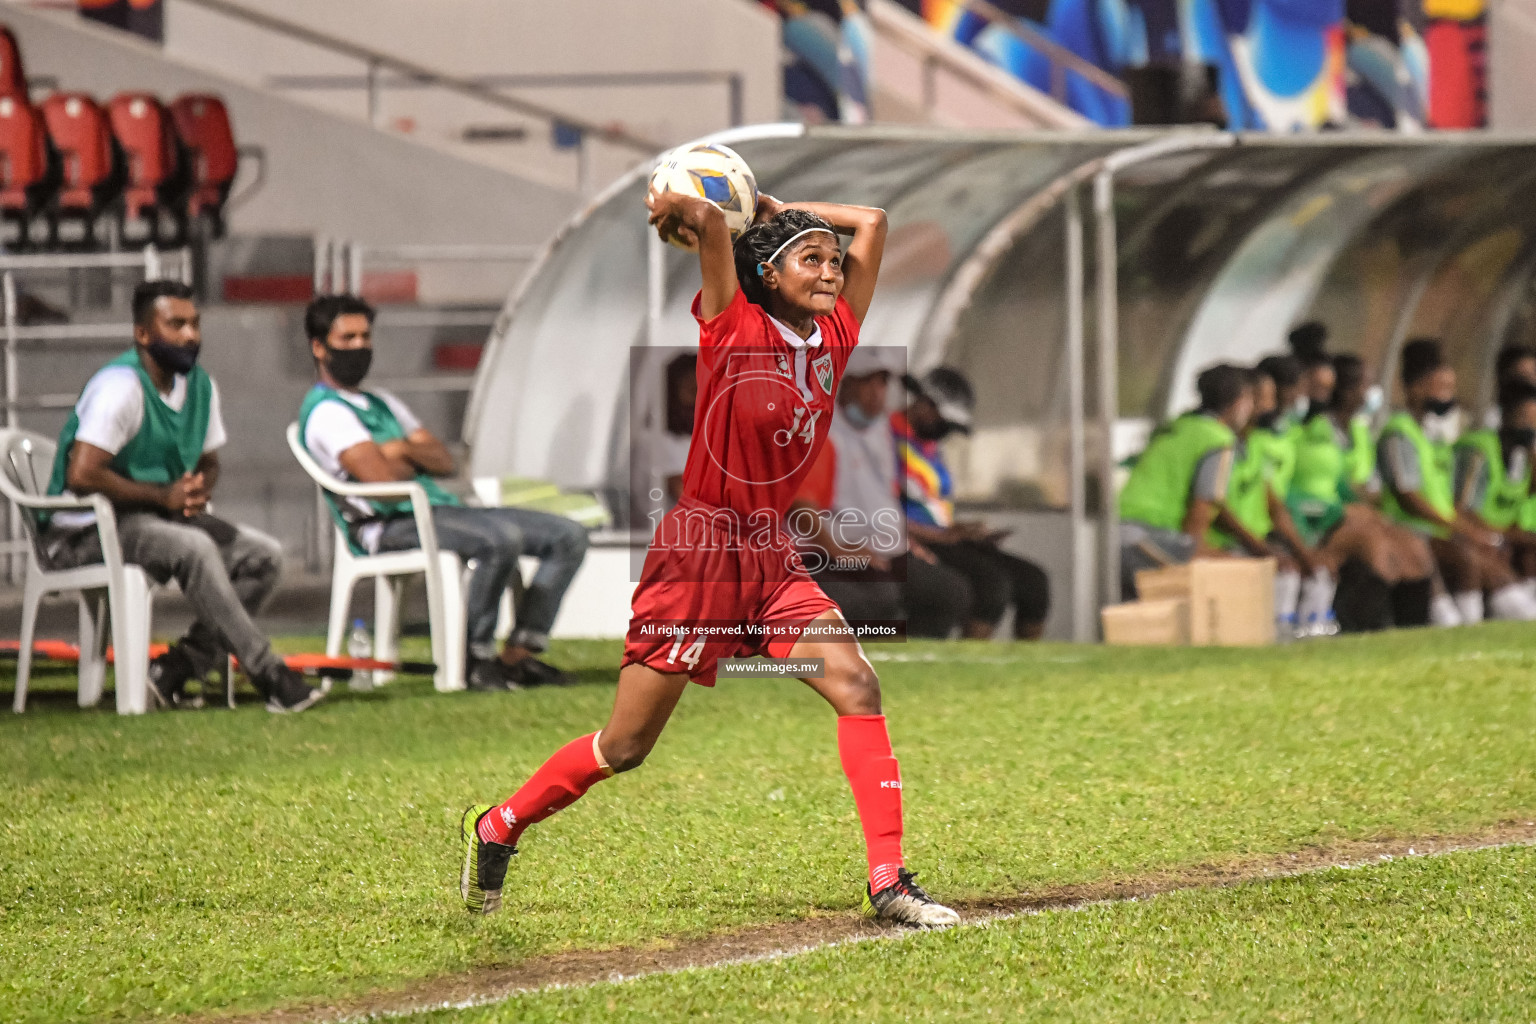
{"x":1360,"y":460}
{"x":1321,"y":469}
{"x":1158,"y":491}
{"x":169,"y":442}
{"x":382,"y":426}
{"x":1265,"y":463}
{"x":1433,"y":465}
{"x":1486,"y":483}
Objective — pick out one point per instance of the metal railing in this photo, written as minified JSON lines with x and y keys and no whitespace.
{"x":339,"y":264}
{"x":377,"y":64}
{"x":377,"y":84}
{"x":936,"y":53}
{"x":940,"y":64}
{"x":1062,"y":60}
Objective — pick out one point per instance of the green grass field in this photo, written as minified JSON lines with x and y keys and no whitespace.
{"x":206,"y":862}
{"x":1444,"y":938}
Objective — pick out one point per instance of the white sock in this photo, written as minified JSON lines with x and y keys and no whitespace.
{"x":1442,"y":611}
{"x":1512,"y":602}
{"x":1316,"y":600}
{"x":1530,"y":587}
{"x":1470,"y":604}
{"x":1287,"y":594}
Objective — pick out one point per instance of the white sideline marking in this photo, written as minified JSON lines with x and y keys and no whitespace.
{"x":979,"y":921}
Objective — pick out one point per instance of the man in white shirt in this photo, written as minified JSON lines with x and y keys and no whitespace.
{"x":145,"y":433}
{"x":371,"y":436}
{"x":849,"y":513}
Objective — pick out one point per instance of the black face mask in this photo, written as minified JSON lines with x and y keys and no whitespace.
{"x":1517,"y":437}
{"x":1439,"y":406}
{"x":348,"y":366}
{"x":173,"y":358}
{"x":1267,"y":420}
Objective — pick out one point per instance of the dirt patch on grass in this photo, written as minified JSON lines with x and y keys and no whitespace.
{"x":582,"y":967}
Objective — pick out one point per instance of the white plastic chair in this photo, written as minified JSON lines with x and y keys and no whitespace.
{"x":110,"y":587}
{"x":444,"y":572}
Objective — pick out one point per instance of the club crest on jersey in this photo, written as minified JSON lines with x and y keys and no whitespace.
{"x":823,"y":367}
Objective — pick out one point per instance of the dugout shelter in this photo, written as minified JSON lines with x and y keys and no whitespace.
{"x":1081,"y":280}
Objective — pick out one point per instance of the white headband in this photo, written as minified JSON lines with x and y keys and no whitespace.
{"x":791,"y":241}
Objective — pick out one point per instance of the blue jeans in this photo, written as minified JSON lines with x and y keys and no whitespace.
{"x":494,"y":538}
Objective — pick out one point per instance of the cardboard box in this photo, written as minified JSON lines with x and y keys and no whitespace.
{"x":1162,"y":623}
{"x":1231,"y":600}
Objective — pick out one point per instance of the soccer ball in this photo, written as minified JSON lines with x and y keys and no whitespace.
{"x":714,"y":172}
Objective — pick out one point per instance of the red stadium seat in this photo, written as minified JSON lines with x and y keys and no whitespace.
{"x":202,"y":122}
{"x":91,"y":164}
{"x":13,"y":78}
{"x":157,"y":173}
{"x":29,"y":169}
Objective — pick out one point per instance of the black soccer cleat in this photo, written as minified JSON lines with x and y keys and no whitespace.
{"x":904,"y":902}
{"x":485,"y":864}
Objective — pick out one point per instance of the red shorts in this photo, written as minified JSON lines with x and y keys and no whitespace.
{"x":696,"y":605}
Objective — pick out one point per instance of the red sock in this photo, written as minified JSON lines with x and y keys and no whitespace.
{"x":875,"y":778}
{"x":559,"y":782}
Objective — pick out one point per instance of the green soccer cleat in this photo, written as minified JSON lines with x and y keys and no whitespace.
{"x":485,"y":865}
{"x":904,"y":902}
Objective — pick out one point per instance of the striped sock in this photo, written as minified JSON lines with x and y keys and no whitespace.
{"x":883,"y":876}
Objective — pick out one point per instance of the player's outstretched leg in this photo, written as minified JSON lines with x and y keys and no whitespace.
{"x":850,"y":685}
{"x":641,"y":707}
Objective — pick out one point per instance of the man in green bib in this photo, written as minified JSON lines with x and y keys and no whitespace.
{"x":373,"y":437}
{"x":1493,"y":474}
{"x":1331,"y":501}
{"x":145,"y":433}
{"x":1178,"y":486}
{"x":1415,"y":457}
{"x":1304,"y":583}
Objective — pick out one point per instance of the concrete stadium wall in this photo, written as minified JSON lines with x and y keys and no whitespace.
{"x":325,"y":174}
{"x":491,"y":37}
{"x":1511,"y":64}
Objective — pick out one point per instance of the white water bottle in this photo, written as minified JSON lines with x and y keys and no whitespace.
{"x":360,"y":645}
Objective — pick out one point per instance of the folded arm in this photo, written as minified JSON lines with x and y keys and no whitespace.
{"x":402,"y":459}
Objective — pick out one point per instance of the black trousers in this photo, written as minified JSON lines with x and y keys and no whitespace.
{"x":932,"y":599}
{"x":998,"y":579}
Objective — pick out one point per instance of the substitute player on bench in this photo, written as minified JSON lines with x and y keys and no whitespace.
{"x":146,"y":433}
{"x":778,"y":318}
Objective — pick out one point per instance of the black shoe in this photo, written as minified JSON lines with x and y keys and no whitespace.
{"x":287,"y":692}
{"x":485,"y":865}
{"x":904,"y":902}
{"x":487,"y":674}
{"x":168,"y":677}
{"x":530,"y":671}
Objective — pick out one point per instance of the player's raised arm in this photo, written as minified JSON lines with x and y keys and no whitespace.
{"x":861,"y":263}
{"x":699,"y":223}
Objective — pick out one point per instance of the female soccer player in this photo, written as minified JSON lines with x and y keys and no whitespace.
{"x":778,"y":318}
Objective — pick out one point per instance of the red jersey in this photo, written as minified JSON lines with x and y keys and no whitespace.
{"x":764,"y":407}
{"x":723,"y":575}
